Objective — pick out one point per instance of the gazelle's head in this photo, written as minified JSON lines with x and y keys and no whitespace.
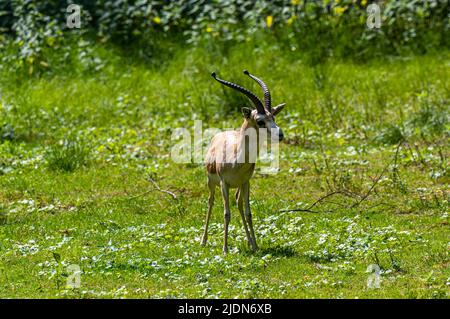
{"x":263,"y":116}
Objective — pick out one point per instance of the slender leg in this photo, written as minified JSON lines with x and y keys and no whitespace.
{"x":240,"y":204}
{"x":248,"y":214}
{"x":212,"y":189}
{"x":227,"y":215}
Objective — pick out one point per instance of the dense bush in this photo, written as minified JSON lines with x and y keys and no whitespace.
{"x":323,"y":28}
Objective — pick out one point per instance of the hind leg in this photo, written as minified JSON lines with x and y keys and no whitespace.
{"x":212,"y":189}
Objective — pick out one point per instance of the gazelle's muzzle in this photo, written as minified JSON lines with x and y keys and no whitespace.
{"x":280,"y":134}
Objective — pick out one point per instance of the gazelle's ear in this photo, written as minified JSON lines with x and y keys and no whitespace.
{"x":277,"y":109}
{"x":247,"y":112}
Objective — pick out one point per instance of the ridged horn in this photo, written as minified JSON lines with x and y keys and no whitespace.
{"x":267,"y":97}
{"x":258,"y":104}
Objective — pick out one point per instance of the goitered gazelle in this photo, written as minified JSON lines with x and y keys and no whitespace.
{"x":228,"y":162}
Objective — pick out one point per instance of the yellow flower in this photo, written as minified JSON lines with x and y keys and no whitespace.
{"x":291,"y":20}
{"x":157,"y":20}
{"x":269,"y":21}
{"x":339,"y":10}
{"x":209,"y":29}
{"x":295,"y":2}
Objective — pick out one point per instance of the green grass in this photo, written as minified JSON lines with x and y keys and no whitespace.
{"x":86,"y":201}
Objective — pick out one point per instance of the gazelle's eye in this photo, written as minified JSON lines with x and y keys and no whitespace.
{"x":260,"y":123}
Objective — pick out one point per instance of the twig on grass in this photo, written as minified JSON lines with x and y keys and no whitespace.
{"x":157,"y":188}
{"x":372,"y":187}
{"x":309,"y":208}
{"x":162,"y":190}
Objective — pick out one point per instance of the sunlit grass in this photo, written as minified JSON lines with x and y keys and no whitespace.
{"x":90,"y":202}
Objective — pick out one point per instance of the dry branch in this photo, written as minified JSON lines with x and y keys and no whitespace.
{"x":349,"y":194}
{"x":157,"y":188}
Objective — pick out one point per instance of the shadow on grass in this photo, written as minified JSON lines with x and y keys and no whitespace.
{"x":278,"y":251}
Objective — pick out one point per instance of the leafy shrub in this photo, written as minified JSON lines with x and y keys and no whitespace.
{"x":323,"y":28}
{"x":33,"y":32}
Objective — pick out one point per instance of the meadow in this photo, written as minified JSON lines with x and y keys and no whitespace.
{"x":81,"y":152}
{"x":86,"y":176}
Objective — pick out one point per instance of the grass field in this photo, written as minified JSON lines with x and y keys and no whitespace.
{"x":79,"y":146}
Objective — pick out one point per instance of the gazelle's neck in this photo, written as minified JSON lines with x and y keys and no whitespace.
{"x":249,"y":144}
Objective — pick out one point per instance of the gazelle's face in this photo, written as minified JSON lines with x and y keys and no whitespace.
{"x":264,"y":121}
{"x":263,"y":117}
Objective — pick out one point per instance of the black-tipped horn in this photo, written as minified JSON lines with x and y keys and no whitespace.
{"x":258,"y":104}
{"x":267,"y":98}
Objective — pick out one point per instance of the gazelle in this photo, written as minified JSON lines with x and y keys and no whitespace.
{"x":228,"y":158}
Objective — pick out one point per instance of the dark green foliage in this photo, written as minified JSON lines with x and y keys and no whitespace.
{"x":321,"y":28}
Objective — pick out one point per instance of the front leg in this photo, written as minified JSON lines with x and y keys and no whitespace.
{"x":225,"y":195}
{"x":248,"y":214}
